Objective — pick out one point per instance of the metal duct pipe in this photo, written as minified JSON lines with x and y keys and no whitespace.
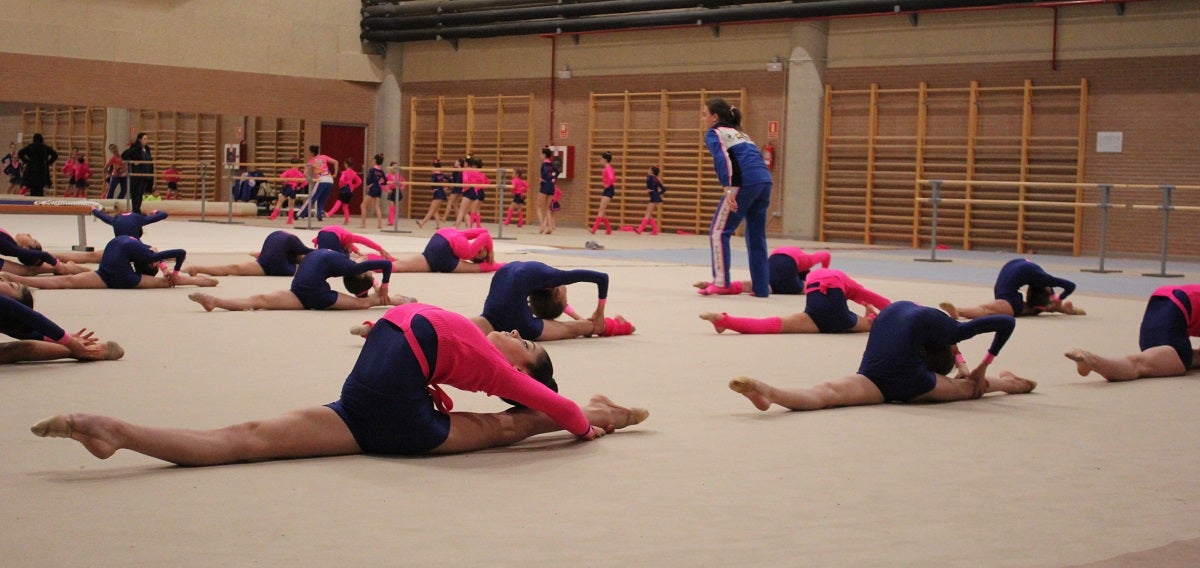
{"x":603,"y":7}
{"x":773,"y":11}
{"x":392,"y":7}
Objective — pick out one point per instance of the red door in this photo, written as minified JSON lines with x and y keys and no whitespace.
{"x":339,"y":142}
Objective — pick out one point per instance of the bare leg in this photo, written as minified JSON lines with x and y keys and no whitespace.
{"x":553,"y":330}
{"x":991,"y":308}
{"x":181,"y":279}
{"x":953,"y":389}
{"x":281,"y":300}
{"x":82,"y":280}
{"x":348,"y":302}
{"x":411,"y":264}
{"x":471,"y":431}
{"x":28,"y":350}
{"x":79,"y":257}
{"x":316,"y":431}
{"x":1161,"y":361}
{"x":243,"y":269}
{"x":851,"y":390}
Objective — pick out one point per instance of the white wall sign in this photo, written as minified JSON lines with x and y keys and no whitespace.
{"x":1109,"y":142}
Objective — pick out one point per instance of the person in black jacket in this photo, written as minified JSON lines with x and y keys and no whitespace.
{"x":139,"y":185}
{"x":36,"y":159}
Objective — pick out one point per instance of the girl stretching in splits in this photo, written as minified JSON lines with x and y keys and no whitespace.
{"x":311,"y":291}
{"x":40,"y":339}
{"x":127,"y":263}
{"x":788,"y":266}
{"x":825,"y":309}
{"x":527,"y":296}
{"x":392,"y":403}
{"x":446,"y":251}
{"x":127,"y":224}
{"x":281,"y":252}
{"x":1040,"y":296}
{"x":32,"y":259}
{"x":1172,"y":317}
{"x":909,"y":352}
{"x":337,"y":238}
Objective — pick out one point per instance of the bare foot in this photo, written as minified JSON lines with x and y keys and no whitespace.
{"x":1081,"y":358}
{"x":949,"y":309}
{"x":362,"y":330}
{"x":1022,"y":385}
{"x":113,"y":351}
{"x":206,"y":281}
{"x":749,"y":388}
{"x":611,"y":416}
{"x":701,"y":284}
{"x":401,"y":300}
{"x":1070,"y":309}
{"x":712,"y":318}
{"x":96,"y":433}
{"x":209,"y":302}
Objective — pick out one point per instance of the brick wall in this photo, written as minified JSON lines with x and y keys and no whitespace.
{"x":1152,"y":101}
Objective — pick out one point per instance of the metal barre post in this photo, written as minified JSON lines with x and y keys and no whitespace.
{"x":500,"y":206}
{"x":82,"y":246}
{"x":1105,"y":205}
{"x":229,"y":214}
{"x":1166,"y":209}
{"x":396,"y":204}
{"x":203,"y":195}
{"x":935,"y":198}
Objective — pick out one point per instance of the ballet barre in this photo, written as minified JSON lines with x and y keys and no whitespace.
{"x":79,"y":211}
{"x":1104,"y":205}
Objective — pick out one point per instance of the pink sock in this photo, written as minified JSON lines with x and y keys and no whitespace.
{"x":613,"y":326}
{"x":274,"y":214}
{"x":750,"y":325}
{"x":391,"y":214}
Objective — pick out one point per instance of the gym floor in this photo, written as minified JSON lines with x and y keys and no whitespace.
{"x":1080,"y":472}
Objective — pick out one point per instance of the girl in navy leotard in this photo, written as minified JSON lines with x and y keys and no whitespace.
{"x":280,"y":254}
{"x":391,"y":403}
{"x":39,"y":338}
{"x":526,"y":297}
{"x":310,"y":288}
{"x":126,"y":263}
{"x":902,"y":363}
{"x":1039,"y":297}
{"x":32,"y":260}
{"x":438,"y":181}
{"x":1172,"y":318}
{"x":825,"y":310}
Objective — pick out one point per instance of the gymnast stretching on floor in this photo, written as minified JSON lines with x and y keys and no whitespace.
{"x":281,"y":252}
{"x":825,"y":310}
{"x":909,"y":352}
{"x":311,"y":291}
{"x":127,"y":263}
{"x":788,"y":268}
{"x":123,"y":224}
{"x":1039,"y":297}
{"x":1172,"y":317}
{"x":28,"y":251}
{"x":335,"y":237}
{"x":447,"y":250}
{"x":527,"y":296}
{"x":391,"y":403}
{"x":39,"y":338}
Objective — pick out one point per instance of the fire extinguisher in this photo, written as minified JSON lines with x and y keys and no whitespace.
{"x":768,"y":155}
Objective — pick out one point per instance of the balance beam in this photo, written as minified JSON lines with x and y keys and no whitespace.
{"x":79,"y":211}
